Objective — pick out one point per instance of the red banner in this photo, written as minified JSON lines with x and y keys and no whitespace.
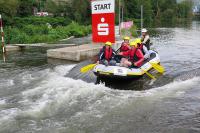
{"x":103,"y":21}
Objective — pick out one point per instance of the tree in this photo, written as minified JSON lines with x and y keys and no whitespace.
{"x":81,"y":10}
{"x":8,"y":9}
{"x":132,"y":10}
{"x":184,"y":9}
{"x":51,"y":7}
{"x":25,"y":8}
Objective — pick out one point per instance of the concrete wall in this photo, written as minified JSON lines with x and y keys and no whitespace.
{"x":76,"y":53}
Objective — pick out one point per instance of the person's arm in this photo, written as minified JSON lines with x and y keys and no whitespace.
{"x":141,"y":58}
{"x":101,"y":54}
{"x":146,"y":39}
{"x":128,"y":46}
{"x":119,"y":49}
{"x":113,"y":53}
{"x":124,"y":53}
{"x":146,"y":51}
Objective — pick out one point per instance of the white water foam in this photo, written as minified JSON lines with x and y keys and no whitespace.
{"x":6,"y":83}
{"x":63,"y":69}
{"x":26,"y":78}
{"x":59,"y":91}
{"x":2,"y":101}
{"x":176,"y":88}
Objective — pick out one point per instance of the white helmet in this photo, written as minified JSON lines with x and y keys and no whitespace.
{"x":144,"y":30}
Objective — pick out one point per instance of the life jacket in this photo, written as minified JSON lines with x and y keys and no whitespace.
{"x":108,"y":53}
{"x":123,"y":47}
{"x":132,"y":56}
{"x":140,"y":46}
{"x":147,"y":44}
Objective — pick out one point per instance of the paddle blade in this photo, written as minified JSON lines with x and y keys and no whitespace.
{"x":148,"y":74}
{"x":158,"y":67}
{"x":87,"y":68}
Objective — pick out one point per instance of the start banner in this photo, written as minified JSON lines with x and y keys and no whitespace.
{"x":103,"y":20}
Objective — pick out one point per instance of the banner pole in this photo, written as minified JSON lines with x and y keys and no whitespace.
{"x":119,"y":17}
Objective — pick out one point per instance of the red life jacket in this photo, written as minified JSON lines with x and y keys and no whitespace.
{"x":108,"y":53}
{"x":140,"y":46}
{"x":135,"y":56}
{"x":124,"y":47}
{"x":132,"y":55}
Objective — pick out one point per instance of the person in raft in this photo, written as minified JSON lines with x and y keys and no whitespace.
{"x":135,"y":57}
{"x":125,"y":45}
{"x":106,"y":55}
{"x":145,"y":38}
{"x":142,"y":47}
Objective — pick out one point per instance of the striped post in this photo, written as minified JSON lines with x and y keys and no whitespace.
{"x":2,"y":35}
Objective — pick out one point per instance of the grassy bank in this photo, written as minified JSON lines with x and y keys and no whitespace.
{"x":43,"y":30}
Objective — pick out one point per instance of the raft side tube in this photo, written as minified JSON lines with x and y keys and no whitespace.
{"x":119,"y":72}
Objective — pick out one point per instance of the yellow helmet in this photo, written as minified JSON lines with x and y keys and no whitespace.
{"x":133,"y":44}
{"x":108,"y":43}
{"x":126,"y":38}
{"x":138,"y":40}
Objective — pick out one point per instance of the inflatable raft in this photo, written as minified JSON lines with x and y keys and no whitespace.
{"x":118,"y":72}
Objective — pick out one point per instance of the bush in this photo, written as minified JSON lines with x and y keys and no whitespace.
{"x":168,"y":17}
{"x":43,"y":34}
{"x":32,"y":30}
{"x":40,"y":39}
{"x":16,"y":36}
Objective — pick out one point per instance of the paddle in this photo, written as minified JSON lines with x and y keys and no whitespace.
{"x":158,"y":67}
{"x":87,"y":68}
{"x":148,"y":74}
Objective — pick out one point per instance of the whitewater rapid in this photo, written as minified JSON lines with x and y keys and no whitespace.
{"x":52,"y":95}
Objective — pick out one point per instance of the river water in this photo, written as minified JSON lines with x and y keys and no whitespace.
{"x":37,"y":97}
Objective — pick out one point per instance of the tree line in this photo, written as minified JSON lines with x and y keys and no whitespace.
{"x":156,"y":12}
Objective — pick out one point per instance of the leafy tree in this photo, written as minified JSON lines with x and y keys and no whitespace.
{"x":133,"y":10}
{"x":8,"y":9}
{"x":184,"y":9}
{"x":25,"y":8}
{"x":81,"y":10}
{"x":51,"y":7}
